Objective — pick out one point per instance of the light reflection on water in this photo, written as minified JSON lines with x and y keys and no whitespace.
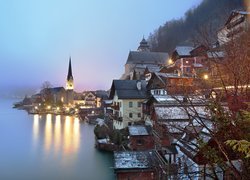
{"x":61,"y":134}
{"x":49,"y":147}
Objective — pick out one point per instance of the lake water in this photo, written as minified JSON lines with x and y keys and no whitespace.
{"x":49,"y":147}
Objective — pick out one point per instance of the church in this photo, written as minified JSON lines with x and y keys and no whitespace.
{"x":61,"y":95}
{"x":143,"y":58}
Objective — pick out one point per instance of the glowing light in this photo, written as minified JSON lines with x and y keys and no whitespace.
{"x":58,"y":108}
{"x":205,"y":76}
{"x":170,"y":61}
{"x":48,"y":107}
{"x":36,"y":107}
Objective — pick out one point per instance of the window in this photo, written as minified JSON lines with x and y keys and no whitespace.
{"x":130,"y":104}
{"x":131,"y":115}
{"x":139,"y":142}
{"x":138,"y":104}
{"x":139,"y":115}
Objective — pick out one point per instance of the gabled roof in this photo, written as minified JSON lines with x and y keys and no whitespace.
{"x":128,"y":89}
{"x":57,"y":89}
{"x":153,"y":68}
{"x":145,"y":57}
{"x":235,"y":13}
{"x":137,"y":131}
{"x":183,"y":50}
{"x":133,"y":160}
{"x":165,"y":112}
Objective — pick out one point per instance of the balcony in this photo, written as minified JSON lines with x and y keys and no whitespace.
{"x":115,"y":107}
{"x":116,"y":117}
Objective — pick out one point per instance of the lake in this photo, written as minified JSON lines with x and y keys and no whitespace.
{"x":49,"y":147}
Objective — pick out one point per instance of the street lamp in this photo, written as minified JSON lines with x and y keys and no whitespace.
{"x":170,"y":61}
{"x":205,"y":77}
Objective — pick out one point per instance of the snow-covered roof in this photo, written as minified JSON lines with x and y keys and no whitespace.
{"x":153,"y":68}
{"x":171,"y":113}
{"x":166,"y":75}
{"x":217,"y":54}
{"x":132,"y":160}
{"x":241,"y":12}
{"x":179,"y":112}
{"x":167,"y":98}
{"x":103,"y":141}
{"x":108,"y":101}
{"x":137,"y":131}
{"x":176,"y":126}
{"x":197,"y":65}
{"x":100,"y":121}
{"x":184,"y":50}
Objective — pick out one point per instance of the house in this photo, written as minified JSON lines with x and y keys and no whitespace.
{"x":101,"y":96}
{"x":142,"y":58}
{"x":190,"y":61}
{"x":170,"y":83}
{"x":140,"y":138}
{"x":146,"y":165}
{"x":194,"y":162}
{"x":127,"y":96}
{"x":134,"y":165}
{"x":181,"y":52}
{"x":89,"y":99}
{"x":236,"y":24}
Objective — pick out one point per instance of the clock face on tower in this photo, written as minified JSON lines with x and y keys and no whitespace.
{"x":69,"y":85}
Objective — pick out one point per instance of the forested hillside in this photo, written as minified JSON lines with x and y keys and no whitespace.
{"x":206,"y":18}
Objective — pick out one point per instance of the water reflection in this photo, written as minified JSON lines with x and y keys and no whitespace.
{"x":59,"y":134}
{"x":35,"y":127}
{"x":48,"y":133}
{"x":57,"y":137}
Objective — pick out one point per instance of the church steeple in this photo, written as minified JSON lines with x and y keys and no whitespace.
{"x":143,"y":45}
{"x":70,"y":80}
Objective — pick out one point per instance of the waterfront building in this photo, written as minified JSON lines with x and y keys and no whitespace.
{"x":127,"y":96}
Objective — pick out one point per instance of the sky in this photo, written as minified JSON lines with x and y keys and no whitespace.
{"x":37,"y":37}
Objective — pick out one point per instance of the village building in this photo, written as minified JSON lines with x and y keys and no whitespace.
{"x":190,"y":61}
{"x":140,"y":138}
{"x":236,"y":24}
{"x":139,"y":60}
{"x":127,"y":96}
{"x":170,"y":84}
{"x":134,"y":165}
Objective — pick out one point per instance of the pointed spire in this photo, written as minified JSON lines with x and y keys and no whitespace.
{"x":70,"y":76}
{"x":143,"y":45}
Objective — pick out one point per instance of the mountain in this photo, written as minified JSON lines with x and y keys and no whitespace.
{"x":204,"y":20}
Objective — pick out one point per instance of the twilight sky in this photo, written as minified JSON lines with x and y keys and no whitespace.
{"x":38,"y":36}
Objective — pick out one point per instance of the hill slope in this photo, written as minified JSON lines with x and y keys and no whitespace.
{"x":209,"y":16}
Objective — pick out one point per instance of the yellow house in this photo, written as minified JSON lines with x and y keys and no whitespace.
{"x":127,"y":96}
